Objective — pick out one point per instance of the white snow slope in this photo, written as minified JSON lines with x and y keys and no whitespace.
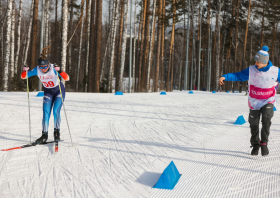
{"x":123,"y":143}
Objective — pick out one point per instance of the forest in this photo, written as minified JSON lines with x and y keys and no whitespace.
{"x":137,"y":45}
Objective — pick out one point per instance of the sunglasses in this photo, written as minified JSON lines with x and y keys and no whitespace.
{"x":43,"y":67}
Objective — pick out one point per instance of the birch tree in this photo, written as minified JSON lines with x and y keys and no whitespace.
{"x":103,"y":62}
{"x":119,"y":46}
{"x":247,"y":25}
{"x":27,"y":42}
{"x":152,"y":37}
{"x":64,"y":34}
{"x":88,"y":41}
{"x":7,"y":45}
{"x":18,"y":40}
{"x":113,"y":35}
{"x":12,"y":54}
{"x":123,"y":44}
{"x":46,"y":21}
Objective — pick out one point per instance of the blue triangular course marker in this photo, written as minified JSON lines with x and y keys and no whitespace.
{"x":40,"y":94}
{"x":163,"y":93}
{"x":213,"y":91}
{"x":240,"y":120}
{"x":274,"y":108}
{"x":227,"y":91}
{"x":119,"y":93}
{"x":237,"y":92}
{"x":168,"y":178}
{"x":190,"y":92}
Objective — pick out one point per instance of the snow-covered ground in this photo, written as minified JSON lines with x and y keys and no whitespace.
{"x":123,"y":143}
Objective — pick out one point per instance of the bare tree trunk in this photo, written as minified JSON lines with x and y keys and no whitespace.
{"x":273,"y":37}
{"x":162,"y":44}
{"x":156,"y":87}
{"x":146,"y":47}
{"x":138,"y":51}
{"x":119,"y":46}
{"x":64,"y":34}
{"x":92,"y":48}
{"x":123,"y":44}
{"x":7,"y":45}
{"x":18,"y":40}
{"x":113,"y":35}
{"x":80,"y":46}
{"x":134,"y":46}
{"x":248,"y":19}
{"x":1,"y":42}
{"x":236,"y":36}
{"x":152,"y":38}
{"x":98,"y":45}
{"x":69,"y":30}
{"x":88,"y":42}
{"x":34,"y":33}
{"x":218,"y":45}
{"x":28,"y":34}
{"x":46,"y":21}
{"x":142,"y":47}
{"x":262,"y":28}
{"x":12,"y":55}
{"x":55,"y":34}
{"x":103,"y":62}
{"x":171,"y":47}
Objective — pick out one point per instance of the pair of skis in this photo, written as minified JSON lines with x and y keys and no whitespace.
{"x":33,"y":144}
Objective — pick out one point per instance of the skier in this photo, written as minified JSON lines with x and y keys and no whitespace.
{"x":47,"y":73}
{"x":262,"y":78}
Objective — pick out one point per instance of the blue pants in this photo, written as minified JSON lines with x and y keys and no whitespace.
{"x":52,"y":99}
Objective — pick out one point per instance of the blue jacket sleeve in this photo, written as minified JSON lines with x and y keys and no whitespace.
{"x":278,"y":79}
{"x":238,"y":76}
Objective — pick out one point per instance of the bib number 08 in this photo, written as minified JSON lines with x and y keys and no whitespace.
{"x":48,"y":84}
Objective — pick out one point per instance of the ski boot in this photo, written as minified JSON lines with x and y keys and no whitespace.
{"x":56,"y":135}
{"x":255,"y":150}
{"x":264,"y":149}
{"x":43,"y":138}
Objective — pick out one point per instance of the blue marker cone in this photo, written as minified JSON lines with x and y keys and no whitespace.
{"x":168,"y":178}
{"x":240,"y":120}
{"x":40,"y":94}
{"x":190,"y":92}
{"x":118,"y":93}
{"x":163,"y":93}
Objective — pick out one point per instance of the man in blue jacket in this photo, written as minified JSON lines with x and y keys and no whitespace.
{"x":262,"y":82}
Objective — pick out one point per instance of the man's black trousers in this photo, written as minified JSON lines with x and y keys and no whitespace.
{"x":254,"y":118}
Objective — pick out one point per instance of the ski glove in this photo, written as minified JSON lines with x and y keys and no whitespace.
{"x":25,"y":68}
{"x":57,"y":68}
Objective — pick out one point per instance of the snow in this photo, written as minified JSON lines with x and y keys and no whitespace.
{"x":121,"y":145}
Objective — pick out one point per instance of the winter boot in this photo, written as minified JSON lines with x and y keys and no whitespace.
{"x":264,"y":149}
{"x":43,"y":138}
{"x":56,"y":135}
{"x":255,"y":150}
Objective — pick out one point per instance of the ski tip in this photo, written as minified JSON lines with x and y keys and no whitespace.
{"x":56,"y":149}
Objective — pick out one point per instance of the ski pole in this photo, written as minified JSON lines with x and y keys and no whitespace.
{"x":28,"y":104}
{"x":64,"y":108}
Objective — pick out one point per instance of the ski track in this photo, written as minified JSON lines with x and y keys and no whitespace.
{"x":121,"y":145}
